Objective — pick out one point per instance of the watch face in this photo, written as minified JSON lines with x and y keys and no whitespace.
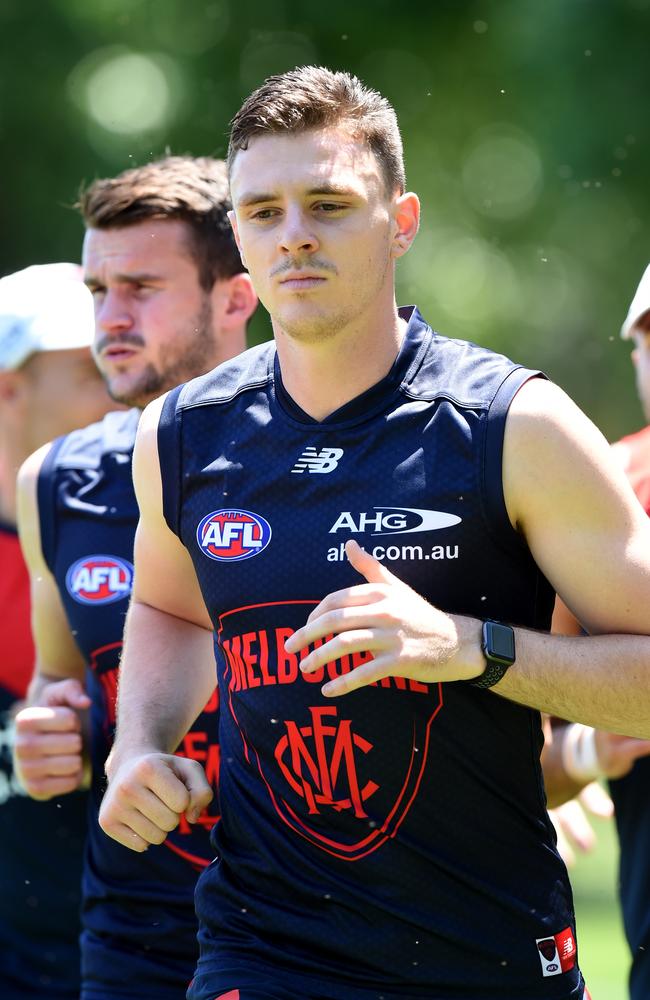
{"x":500,"y":641}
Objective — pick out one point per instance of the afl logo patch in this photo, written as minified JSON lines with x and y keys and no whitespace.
{"x":230,"y":535}
{"x":99,"y":579}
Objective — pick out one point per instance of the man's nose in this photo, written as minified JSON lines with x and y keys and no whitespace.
{"x":112,"y":314}
{"x":297,"y":232}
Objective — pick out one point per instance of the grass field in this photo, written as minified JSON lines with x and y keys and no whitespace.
{"x":603,"y":952}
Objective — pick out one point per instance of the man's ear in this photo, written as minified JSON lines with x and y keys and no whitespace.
{"x":234,"y":301}
{"x":10,"y":386}
{"x":406,"y":215}
{"x":232,"y":218}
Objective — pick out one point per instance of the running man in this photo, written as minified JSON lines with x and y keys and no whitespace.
{"x":371,"y":520}
{"x":171,"y":301}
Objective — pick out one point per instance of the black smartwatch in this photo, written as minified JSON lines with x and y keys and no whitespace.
{"x":498,"y":648}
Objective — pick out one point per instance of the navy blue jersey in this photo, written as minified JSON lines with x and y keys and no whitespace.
{"x":395,"y":841}
{"x":631,"y":794}
{"x":631,"y":797}
{"x":139,"y":926}
{"x":41,"y":843}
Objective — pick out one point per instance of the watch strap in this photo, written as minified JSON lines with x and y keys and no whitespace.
{"x":498,"y":648}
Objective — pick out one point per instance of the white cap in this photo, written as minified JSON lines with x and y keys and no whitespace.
{"x":45,"y":307}
{"x":640,"y":304}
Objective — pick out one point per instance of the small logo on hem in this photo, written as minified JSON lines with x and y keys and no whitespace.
{"x":557,"y":954}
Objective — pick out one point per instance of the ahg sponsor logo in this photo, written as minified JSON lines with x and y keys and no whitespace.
{"x":99,"y":579}
{"x":232,"y":535}
{"x":393,"y":521}
{"x":397,"y":553}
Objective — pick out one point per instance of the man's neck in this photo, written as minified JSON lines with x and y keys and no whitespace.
{"x":321,"y":377}
{"x":13,"y":452}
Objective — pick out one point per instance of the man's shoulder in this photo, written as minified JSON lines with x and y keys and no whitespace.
{"x":250,"y":370}
{"x":84,"y":448}
{"x":467,"y":373}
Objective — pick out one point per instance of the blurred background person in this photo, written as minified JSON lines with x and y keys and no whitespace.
{"x":48,"y":385}
{"x":579,"y":754}
{"x":172,"y":300}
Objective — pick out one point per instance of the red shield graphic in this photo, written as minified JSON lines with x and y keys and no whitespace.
{"x":547,"y":948}
{"x":341,"y":773}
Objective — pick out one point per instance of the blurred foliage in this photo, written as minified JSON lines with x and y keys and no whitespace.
{"x":525,"y":126}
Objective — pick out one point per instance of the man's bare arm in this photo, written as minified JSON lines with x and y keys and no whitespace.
{"x":167,"y":673}
{"x":49,"y":739}
{"x":589,"y":536}
{"x":57,"y":655}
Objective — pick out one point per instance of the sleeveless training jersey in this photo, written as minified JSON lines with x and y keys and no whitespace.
{"x":40,"y":887}
{"x":393,"y":842}
{"x":139,"y":926}
{"x":631,"y":794}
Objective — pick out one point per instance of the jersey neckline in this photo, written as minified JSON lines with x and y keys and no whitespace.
{"x":376,"y":397}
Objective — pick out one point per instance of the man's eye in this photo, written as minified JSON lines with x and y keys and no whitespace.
{"x":264,"y":213}
{"x":329,"y":206}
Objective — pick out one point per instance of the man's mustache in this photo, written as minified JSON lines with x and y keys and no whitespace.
{"x":122,"y":339}
{"x":311,"y":265}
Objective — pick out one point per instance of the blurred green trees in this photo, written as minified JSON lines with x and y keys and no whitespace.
{"x":525,"y":124}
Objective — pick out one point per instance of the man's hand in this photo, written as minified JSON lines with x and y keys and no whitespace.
{"x":572,"y":825}
{"x":147,"y":795}
{"x":48,"y":745}
{"x":618,"y":754}
{"x":407,"y":636}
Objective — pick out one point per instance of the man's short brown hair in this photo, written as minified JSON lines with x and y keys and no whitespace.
{"x":192,"y":189}
{"x":313,"y":97}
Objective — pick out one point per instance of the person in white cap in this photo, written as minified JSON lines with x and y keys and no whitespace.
{"x":580,"y":754}
{"x":48,"y":386}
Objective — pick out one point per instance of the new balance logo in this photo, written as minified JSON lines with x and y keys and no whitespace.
{"x":324,"y":460}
